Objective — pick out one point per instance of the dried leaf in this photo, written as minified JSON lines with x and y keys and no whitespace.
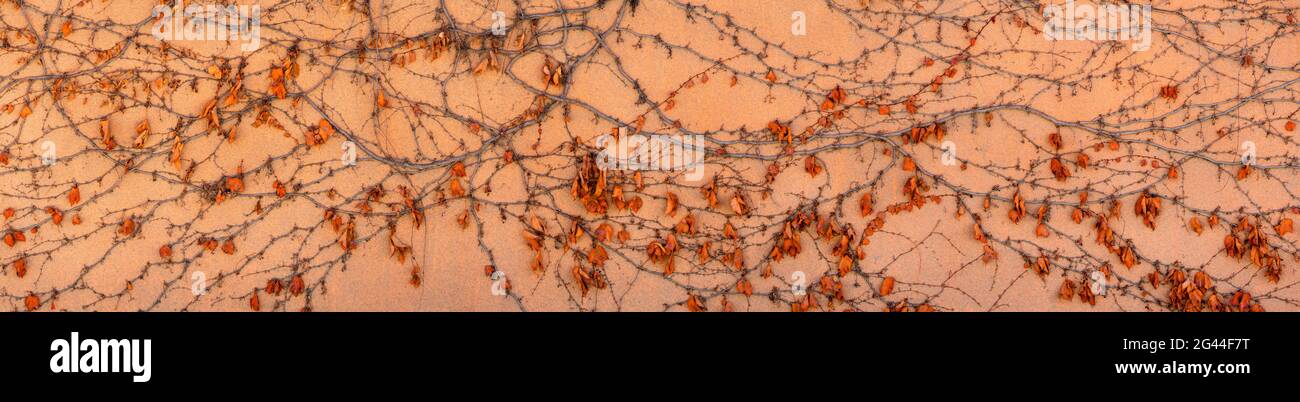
{"x":74,"y":196}
{"x":32,"y":302}
{"x":887,"y":286}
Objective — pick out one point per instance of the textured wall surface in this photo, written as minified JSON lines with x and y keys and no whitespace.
{"x":860,"y":155}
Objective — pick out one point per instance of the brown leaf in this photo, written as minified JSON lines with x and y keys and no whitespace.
{"x":1067,"y":290}
{"x":694,"y":304}
{"x":296,"y":285}
{"x":887,"y":286}
{"x":1195,"y":224}
{"x":74,"y":196}
{"x":670,"y":206}
{"x":177,"y":146}
{"x":106,"y":136}
{"x":32,"y":302}
{"x":745,"y":287}
{"x":1284,"y":227}
{"x":127,"y":227}
{"x":455,"y":188}
{"x":141,"y":134}
{"x":1059,"y":170}
{"x":811,"y":166}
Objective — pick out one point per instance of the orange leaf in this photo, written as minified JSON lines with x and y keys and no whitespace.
{"x":887,"y":286}
{"x":670,"y":207}
{"x":811,"y":166}
{"x":296,"y":285}
{"x":74,"y":196}
{"x":1284,"y":227}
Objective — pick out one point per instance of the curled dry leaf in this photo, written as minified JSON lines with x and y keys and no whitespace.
{"x":1195,"y":225}
{"x":56,"y":216}
{"x":670,"y":205}
{"x":1054,"y":140}
{"x":739,"y":205}
{"x":74,"y":195}
{"x":141,"y":134}
{"x":177,"y":147}
{"x":296,"y":285}
{"x":1059,"y":170}
{"x":865,"y":204}
{"x":1067,"y":290}
{"x":1284,"y":227}
{"x":887,"y":286}
{"x":32,"y":302}
{"x":744,"y":287}
{"x":106,"y":136}
{"x":1017,"y":208}
{"x":127,"y":227}
{"x":695,"y":304}
{"x":811,"y":166}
